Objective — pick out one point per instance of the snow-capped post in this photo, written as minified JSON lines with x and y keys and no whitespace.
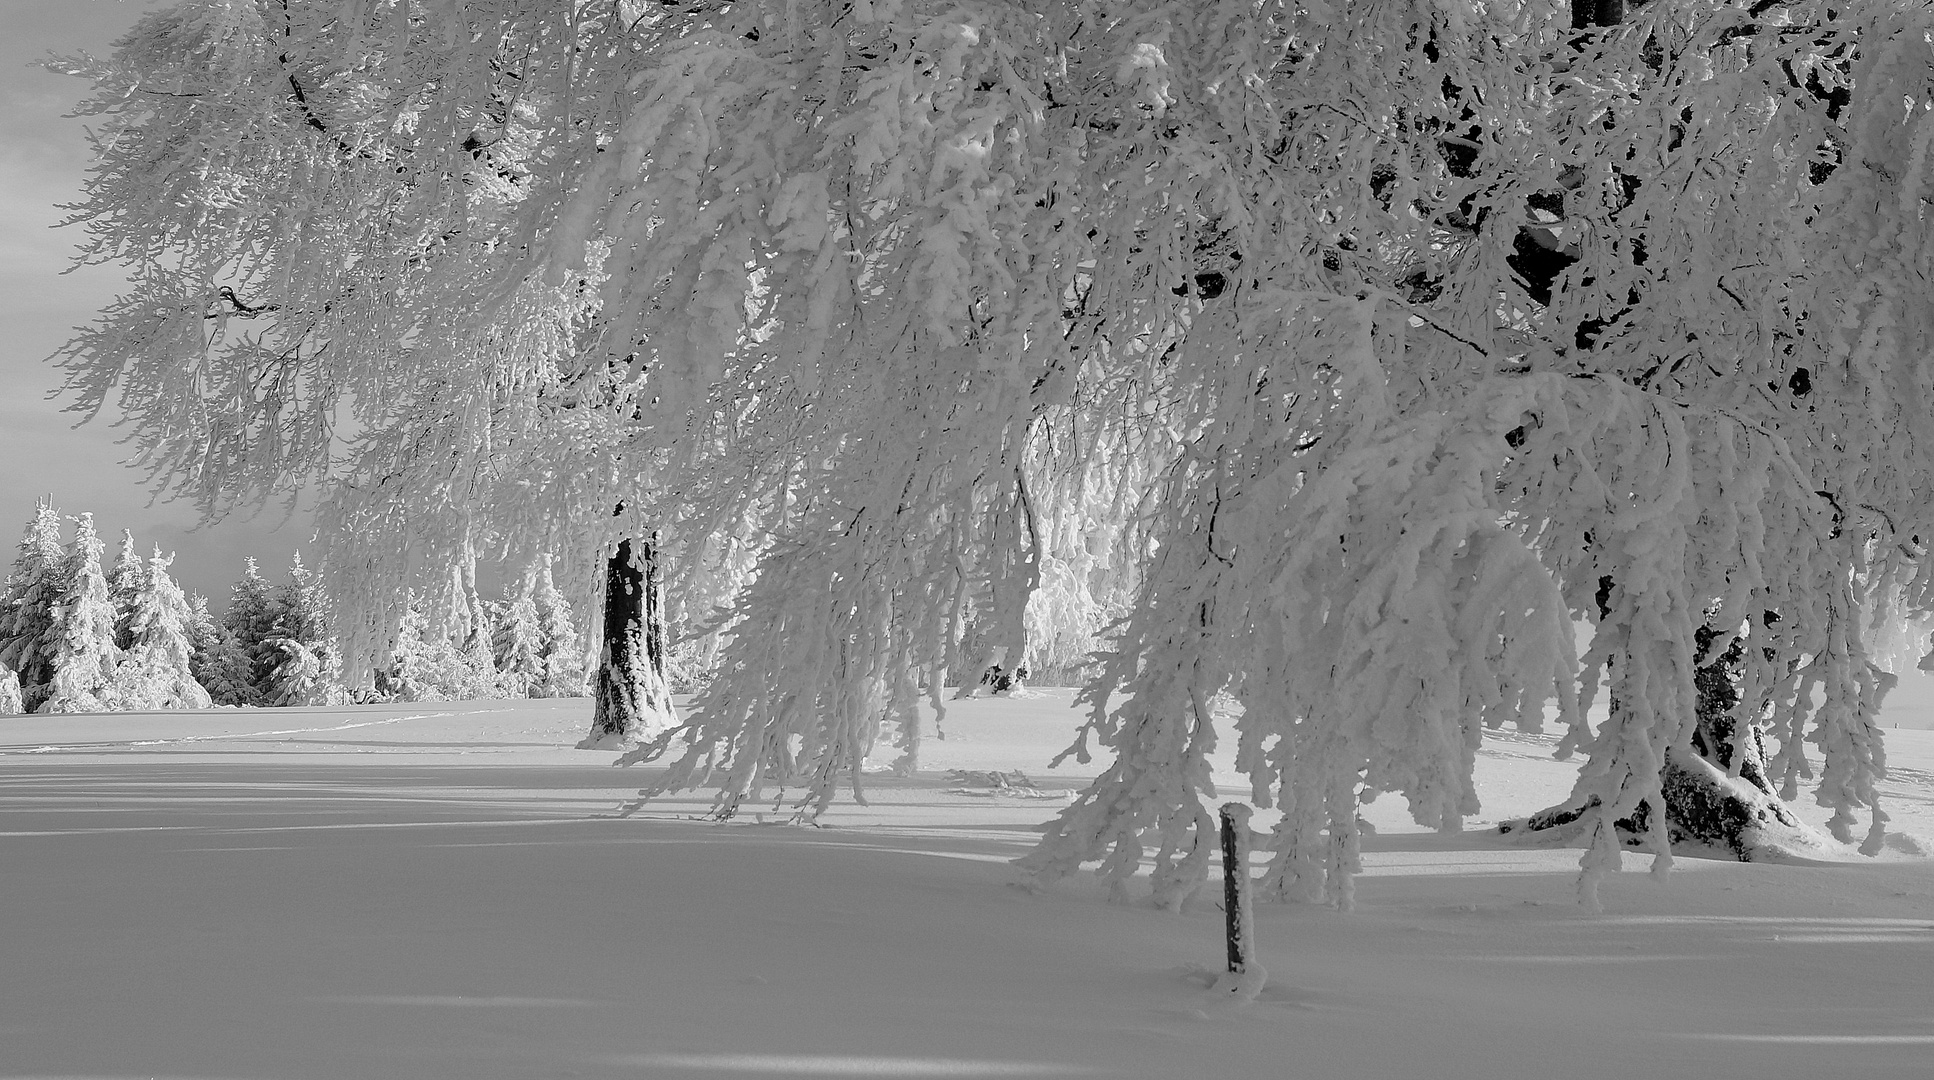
{"x":1244,"y":977}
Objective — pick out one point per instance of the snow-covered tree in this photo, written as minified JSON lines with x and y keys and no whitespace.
{"x":561,"y":646}
{"x":125,"y":584}
{"x":427,"y":665}
{"x":154,"y":672}
{"x":409,"y":675}
{"x":518,"y":644}
{"x":211,"y":661}
{"x":10,"y":700}
{"x":231,"y":659}
{"x":223,"y":667}
{"x":713,"y":565}
{"x":84,"y":655}
{"x":1435,"y":325}
{"x":27,"y":629}
{"x":298,"y":662}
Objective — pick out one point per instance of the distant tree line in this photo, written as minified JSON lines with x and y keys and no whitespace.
{"x":76,"y":636}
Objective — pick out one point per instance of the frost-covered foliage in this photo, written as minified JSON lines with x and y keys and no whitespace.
{"x":154,"y":672}
{"x":130,"y":639}
{"x":442,"y":649}
{"x":125,"y":583}
{"x":1426,"y":326}
{"x":454,"y":646}
{"x":297,"y":661}
{"x":534,"y":644}
{"x":518,"y":645}
{"x":27,"y":632}
{"x":84,"y":653}
{"x":10,"y":699}
{"x":217,"y":662}
{"x":274,"y":645}
{"x":224,"y":668}
{"x":560,"y":654}
{"x":426,"y":664}
{"x":713,"y":563}
{"x":1094,"y":539}
{"x":229,"y":662}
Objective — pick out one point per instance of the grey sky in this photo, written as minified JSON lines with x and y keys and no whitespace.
{"x":43,"y":159}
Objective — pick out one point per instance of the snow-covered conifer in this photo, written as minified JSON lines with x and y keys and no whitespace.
{"x":33,"y":589}
{"x":298,"y":662}
{"x":85,"y":655}
{"x":518,"y":644}
{"x":561,"y":646}
{"x":155,"y":672}
{"x":10,"y":699}
{"x":126,"y":581}
{"x":426,"y":665}
{"x":226,"y":670}
{"x":210,"y":642}
{"x":232,"y":657}
{"x":201,"y":631}
{"x":408,"y":675}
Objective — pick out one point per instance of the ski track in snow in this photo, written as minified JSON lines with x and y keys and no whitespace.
{"x":223,"y":737}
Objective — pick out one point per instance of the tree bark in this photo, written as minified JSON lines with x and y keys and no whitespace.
{"x":632,"y":699}
{"x":1711,"y":807}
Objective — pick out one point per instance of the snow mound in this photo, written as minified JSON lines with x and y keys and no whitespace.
{"x":1911,"y":844}
{"x":988,"y":784}
{"x":605,"y":740}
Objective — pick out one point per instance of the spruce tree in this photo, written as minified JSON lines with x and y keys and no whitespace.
{"x":481,"y":680}
{"x":239,"y":651}
{"x":403,"y":678}
{"x":85,"y":655}
{"x":471,"y":635}
{"x":223,"y":667}
{"x":426,"y":665}
{"x":10,"y":701}
{"x":125,"y":583}
{"x":27,"y":635}
{"x":518,"y":645}
{"x":561,"y":647}
{"x":218,"y":663}
{"x":299,"y":663}
{"x":201,"y":635}
{"x":156,"y":672}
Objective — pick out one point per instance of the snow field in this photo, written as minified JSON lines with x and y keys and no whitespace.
{"x":444,"y":891}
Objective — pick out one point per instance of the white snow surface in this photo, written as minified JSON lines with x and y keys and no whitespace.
{"x":447,"y":891}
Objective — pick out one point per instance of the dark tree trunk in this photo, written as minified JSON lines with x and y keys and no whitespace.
{"x":1710,"y":807}
{"x":632,"y":699}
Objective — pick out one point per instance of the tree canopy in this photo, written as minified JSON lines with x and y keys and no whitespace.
{"x":1375,"y":343}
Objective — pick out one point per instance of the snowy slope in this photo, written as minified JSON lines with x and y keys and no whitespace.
{"x":443,"y":891}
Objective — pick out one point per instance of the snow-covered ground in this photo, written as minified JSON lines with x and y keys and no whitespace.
{"x":446,"y":891}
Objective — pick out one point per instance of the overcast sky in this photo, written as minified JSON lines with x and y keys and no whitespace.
{"x":43,"y":158}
